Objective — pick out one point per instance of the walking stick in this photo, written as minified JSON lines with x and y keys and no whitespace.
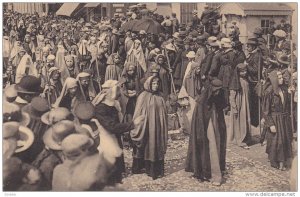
{"x":98,"y":74}
{"x":81,"y":89}
{"x":259,"y":101}
{"x":172,"y":81}
{"x":47,"y":83}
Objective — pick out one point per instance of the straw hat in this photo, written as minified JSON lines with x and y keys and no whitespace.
{"x":191,"y":54}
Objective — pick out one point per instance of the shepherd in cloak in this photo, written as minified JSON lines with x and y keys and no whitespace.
{"x":150,"y":138}
{"x":207,"y":144}
{"x":136,"y":56}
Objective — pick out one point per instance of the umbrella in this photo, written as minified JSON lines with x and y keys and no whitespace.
{"x":149,"y":25}
{"x":128,"y":25}
{"x":279,"y":33}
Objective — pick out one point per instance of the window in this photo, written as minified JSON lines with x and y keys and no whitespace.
{"x":186,"y":10}
{"x":265,"y":25}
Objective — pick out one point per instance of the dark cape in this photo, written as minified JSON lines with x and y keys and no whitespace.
{"x":204,"y":140}
{"x":150,"y":138}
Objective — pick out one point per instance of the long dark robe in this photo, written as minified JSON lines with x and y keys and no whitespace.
{"x":207,"y":144}
{"x":151,"y":146}
{"x":180,"y":65}
{"x":109,"y":119}
{"x":276,"y":113}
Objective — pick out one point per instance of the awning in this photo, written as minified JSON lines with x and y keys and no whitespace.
{"x":67,"y":9}
{"x":268,"y":13}
{"x":91,"y":5}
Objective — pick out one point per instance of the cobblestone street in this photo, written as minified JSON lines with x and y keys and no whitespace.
{"x":247,"y":170}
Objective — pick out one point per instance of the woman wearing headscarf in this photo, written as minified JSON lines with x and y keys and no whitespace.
{"x":60,"y":54}
{"x":275,"y":110}
{"x":69,"y":68}
{"x":136,"y":56}
{"x":113,"y":70}
{"x":164,"y":75}
{"x":69,"y":96}
{"x":150,"y":138}
{"x":240,"y":123}
{"x":54,"y":88}
{"x":207,"y":143}
{"x":109,"y":115}
{"x":25,"y":67}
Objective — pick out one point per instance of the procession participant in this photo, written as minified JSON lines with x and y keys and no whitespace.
{"x":206,"y":63}
{"x":234,"y":31}
{"x":113,"y":69}
{"x":16,"y":55}
{"x":44,"y":69}
{"x":201,"y":49}
{"x":25,"y":67}
{"x":136,"y":56}
{"x":70,"y":68}
{"x":207,"y":145}
{"x":164,"y":75}
{"x":175,"y":23}
{"x":108,"y":113}
{"x":284,"y":67}
{"x":275,"y":109}
{"x":86,"y":86}
{"x":93,"y":48}
{"x":84,"y":61}
{"x":150,"y":143}
{"x":84,"y":114}
{"x":53,"y":88}
{"x":60,"y":54}
{"x":29,"y":46}
{"x":253,"y":60}
{"x":114,"y":44}
{"x":36,"y":108}
{"x":52,"y":155}
{"x":130,"y":87}
{"x":128,"y":41}
{"x":102,"y":65}
{"x":227,"y":67}
{"x":262,"y":43}
{"x":93,"y":169}
{"x":240,"y":56}
{"x":189,"y":90}
{"x":195,"y":20}
{"x":28,"y":87}
{"x":180,"y":63}
{"x":280,"y":37}
{"x":240,"y":123}
{"x":69,"y":96}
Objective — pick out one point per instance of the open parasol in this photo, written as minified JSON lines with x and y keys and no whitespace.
{"x":128,"y":25}
{"x":149,"y":25}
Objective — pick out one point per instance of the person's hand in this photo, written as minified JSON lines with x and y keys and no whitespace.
{"x":273,"y":129}
{"x":139,"y":120}
{"x":170,"y":70}
{"x":203,"y":77}
{"x":33,"y":176}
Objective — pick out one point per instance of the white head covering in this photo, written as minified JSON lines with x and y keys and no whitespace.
{"x":139,"y":54}
{"x":69,"y":83}
{"x":92,"y":91}
{"x":26,"y":62}
{"x":108,"y":85}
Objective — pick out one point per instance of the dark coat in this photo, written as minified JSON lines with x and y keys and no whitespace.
{"x":215,"y":65}
{"x":180,"y":64}
{"x":227,"y":67}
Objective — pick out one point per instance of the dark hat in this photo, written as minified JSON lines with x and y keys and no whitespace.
{"x":237,"y":43}
{"x":252,"y":41}
{"x":282,"y":21}
{"x":84,"y":111}
{"x":37,"y":107}
{"x":258,"y":31}
{"x":29,"y":85}
{"x":216,"y":84}
{"x":179,"y":42}
{"x":182,"y":33}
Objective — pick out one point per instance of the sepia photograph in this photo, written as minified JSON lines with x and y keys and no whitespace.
{"x":150,"y":97}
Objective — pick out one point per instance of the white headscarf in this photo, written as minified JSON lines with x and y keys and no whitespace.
{"x":26,"y":62}
{"x":69,"y":83}
{"x":139,"y":54}
{"x":92,"y":91}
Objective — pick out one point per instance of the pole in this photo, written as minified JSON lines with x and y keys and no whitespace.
{"x":292,"y":83}
{"x":172,"y":80}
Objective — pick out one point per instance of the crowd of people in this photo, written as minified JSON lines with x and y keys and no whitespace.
{"x":76,"y":93}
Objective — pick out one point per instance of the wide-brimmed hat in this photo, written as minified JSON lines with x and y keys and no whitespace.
{"x":29,"y":85}
{"x":216,"y":84}
{"x":54,"y":136}
{"x":252,"y":41}
{"x":191,"y":54}
{"x":176,"y":35}
{"x":226,"y":43}
{"x":258,"y":31}
{"x":73,"y":145}
{"x":23,"y":135}
{"x":284,"y":59}
{"x":85,"y":111}
{"x":56,"y":115}
{"x":11,"y":93}
{"x":12,"y":112}
{"x":170,"y":47}
{"x":280,"y":33}
{"x":37,"y":107}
